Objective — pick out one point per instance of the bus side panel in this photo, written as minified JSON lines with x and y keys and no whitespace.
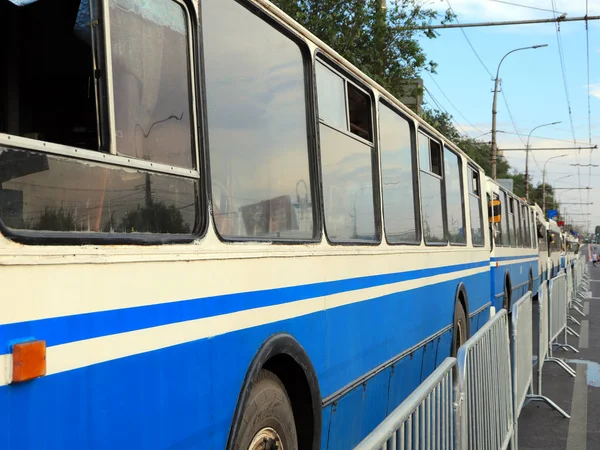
{"x":152,"y":400}
{"x":359,"y":412}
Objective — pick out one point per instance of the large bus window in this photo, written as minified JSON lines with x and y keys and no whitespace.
{"x":60,"y":92}
{"x":475,"y":208}
{"x":455,"y":221}
{"x":259,"y":156}
{"x":397,"y":177}
{"x":511,"y":220}
{"x":151,"y":78}
{"x":518,"y":224}
{"x":431,"y":190}
{"x":346,"y":162}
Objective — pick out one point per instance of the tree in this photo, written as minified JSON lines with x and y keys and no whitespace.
{"x":381,"y":42}
{"x":53,"y":219}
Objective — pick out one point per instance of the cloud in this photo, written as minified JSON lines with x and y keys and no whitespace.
{"x":595,"y":90}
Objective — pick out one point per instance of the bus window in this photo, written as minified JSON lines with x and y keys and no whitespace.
{"x":150,"y":60}
{"x":475,"y":208}
{"x":346,"y":162}
{"x":62,"y":95}
{"x":397,"y":177}
{"x":513,"y":224}
{"x":506,"y":218}
{"x":455,"y":221}
{"x":256,"y":102}
{"x":431,"y":190}
{"x":500,"y":237}
{"x":526,"y":230}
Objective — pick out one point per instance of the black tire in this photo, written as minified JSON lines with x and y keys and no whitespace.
{"x":506,"y":302}
{"x":268,"y":408}
{"x":460,"y":334}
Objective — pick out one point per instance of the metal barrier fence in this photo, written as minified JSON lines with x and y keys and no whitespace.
{"x":485,"y":379}
{"x":544,"y":350}
{"x":558,"y":312}
{"x":522,"y":350}
{"x":444,"y":413}
{"x":425,"y":420}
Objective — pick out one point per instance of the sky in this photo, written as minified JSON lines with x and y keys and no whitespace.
{"x":533,"y":86}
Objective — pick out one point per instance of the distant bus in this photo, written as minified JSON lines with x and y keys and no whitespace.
{"x":218,"y":233}
{"x":514,"y":259}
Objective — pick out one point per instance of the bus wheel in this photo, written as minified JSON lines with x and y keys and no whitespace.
{"x":506,"y":302}
{"x":460,"y":328}
{"x":267,"y":421}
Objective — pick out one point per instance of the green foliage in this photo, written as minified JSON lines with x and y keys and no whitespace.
{"x":382,"y":43}
{"x":155,"y":217}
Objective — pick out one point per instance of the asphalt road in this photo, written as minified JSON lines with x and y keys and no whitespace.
{"x":541,"y":427}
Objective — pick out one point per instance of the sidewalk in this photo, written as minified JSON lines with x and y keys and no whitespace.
{"x":540,"y":427}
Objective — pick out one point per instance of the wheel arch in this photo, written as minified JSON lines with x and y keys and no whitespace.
{"x":286,"y":358}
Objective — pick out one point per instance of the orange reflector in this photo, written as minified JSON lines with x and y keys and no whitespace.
{"x":29,"y":360}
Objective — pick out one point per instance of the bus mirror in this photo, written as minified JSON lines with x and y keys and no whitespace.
{"x":494,"y":211}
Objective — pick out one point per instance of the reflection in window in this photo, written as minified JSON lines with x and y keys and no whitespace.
{"x":475,"y":208}
{"x":431,"y":193}
{"x":49,"y":193}
{"x":150,"y":68}
{"x":347,"y":187}
{"x":332,"y":97}
{"x":454,"y":198}
{"x":257,"y":126}
{"x":397,"y":177}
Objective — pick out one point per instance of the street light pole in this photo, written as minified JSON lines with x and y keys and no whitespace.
{"x":554,"y":202}
{"x":494,"y":107}
{"x":544,"y":181}
{"x":527,"y":157}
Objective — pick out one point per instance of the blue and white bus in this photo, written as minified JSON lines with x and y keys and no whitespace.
{"x":514,"y":258}
{"x":218,"y":233}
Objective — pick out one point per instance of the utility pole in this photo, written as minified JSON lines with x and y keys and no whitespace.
{"x":494,"y":149}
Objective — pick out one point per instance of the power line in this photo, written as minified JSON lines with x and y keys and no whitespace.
{"x":453,"y":105}
{"x":566,"y":87}
{"x":469,"y":42}
{"x":587,"y":42}
{"x":525,"y":6}
{"x":441,"y":108}
{"x":512,"y":119}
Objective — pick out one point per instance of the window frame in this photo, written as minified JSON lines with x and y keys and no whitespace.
{"x":106,"y":152}
{"x":480,"y":198}
{"x":462,"y":195}
{"x":441,"y":179}
{"x":415,"y":174}
{"x":320,"y":56}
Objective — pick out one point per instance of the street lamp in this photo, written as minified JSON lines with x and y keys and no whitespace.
{"x":544,"y":181}
{"x":494,"y":144}
{"x":527,"y":157}
{"x":554,"y":202}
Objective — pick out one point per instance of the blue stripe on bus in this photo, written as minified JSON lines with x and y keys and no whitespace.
{"x":62,"y":330}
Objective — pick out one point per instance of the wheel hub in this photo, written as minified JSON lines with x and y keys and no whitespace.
{"x":266,"y":439}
